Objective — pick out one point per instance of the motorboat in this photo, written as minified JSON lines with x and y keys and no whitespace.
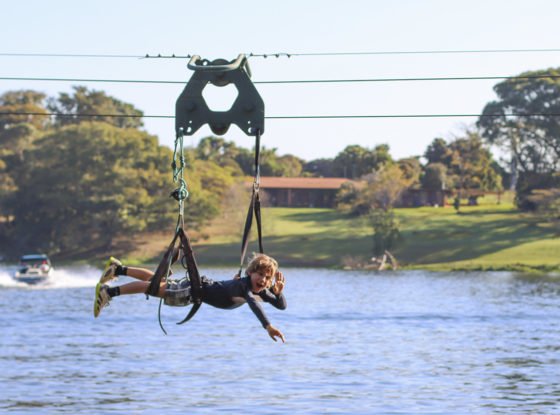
{"x":33,"y":269}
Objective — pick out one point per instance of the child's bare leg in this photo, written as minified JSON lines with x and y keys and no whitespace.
{"x":140,"y":287}
{"x":135,"y":287}
{"x":139,"y":273}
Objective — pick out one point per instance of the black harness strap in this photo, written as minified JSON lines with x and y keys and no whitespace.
{"x":194,"y":276}
{"x":162,"y":272}
{"x":254,"y":206}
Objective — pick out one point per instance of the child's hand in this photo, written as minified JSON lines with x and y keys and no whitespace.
{"x":273,"y":332}
{"x":236,"y":276}
{"x":278,"y":283}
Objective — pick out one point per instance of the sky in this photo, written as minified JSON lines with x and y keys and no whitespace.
{"x":224,"y":29}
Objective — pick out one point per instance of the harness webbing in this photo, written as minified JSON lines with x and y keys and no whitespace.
{"x":194,"y":276}
{"x":254,"y":206}
{"x":172,"y":254}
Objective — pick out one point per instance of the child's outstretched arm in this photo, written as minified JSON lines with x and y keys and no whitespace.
{"x":273,"y":332}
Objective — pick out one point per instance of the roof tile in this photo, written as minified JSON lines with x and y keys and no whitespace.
{"x":268,"y":182}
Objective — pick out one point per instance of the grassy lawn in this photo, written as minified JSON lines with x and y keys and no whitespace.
{"x":476,"y":239}
{"x":490,"y":236}
{"x":296,"y":237}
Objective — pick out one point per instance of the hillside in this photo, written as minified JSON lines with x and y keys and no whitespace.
{"x":490,"y":236}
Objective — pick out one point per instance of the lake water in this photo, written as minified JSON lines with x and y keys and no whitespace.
{"x":403,"y":342}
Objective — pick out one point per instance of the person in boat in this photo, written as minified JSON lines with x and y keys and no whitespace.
{"x":262,"y":282}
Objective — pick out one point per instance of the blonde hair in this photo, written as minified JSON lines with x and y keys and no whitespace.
{"x":263,"y":264}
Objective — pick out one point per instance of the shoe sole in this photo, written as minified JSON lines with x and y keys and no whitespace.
{"x":113,"y":277}
{"x":95,"y":302}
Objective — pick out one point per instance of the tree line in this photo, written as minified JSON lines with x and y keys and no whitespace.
{"x":71,"y":183}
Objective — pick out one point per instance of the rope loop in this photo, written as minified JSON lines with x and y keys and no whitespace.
{"x":181,"y":193}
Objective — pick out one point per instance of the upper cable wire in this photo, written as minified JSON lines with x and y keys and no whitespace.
{"x":406,"y":52}
{"x":303,"y":81}
{"x":279,"y":54}
{"x":67,"y":55}
{"x":295,"y":117}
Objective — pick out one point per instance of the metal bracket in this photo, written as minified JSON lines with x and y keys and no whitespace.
{"x":247,"y":111}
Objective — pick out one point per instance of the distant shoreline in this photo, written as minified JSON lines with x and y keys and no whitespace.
{"x":488,"y":237}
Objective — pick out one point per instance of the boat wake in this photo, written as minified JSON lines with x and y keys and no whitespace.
{"x":64,"y":277}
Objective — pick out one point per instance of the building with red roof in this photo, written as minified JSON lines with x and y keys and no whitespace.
{"x":303,"y":191}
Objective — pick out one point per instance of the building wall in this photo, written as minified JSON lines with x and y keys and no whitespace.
{"x":301,"y":197}
{"x":326,"y":198}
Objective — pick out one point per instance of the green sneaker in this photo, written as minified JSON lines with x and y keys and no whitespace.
{"x":109,"y":272}
{"x":101,"y":298}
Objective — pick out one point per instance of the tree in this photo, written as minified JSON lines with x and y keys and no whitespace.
{"x":21,"y":123}
{"x":518,"y":121}
{"x":226,"y":153}
{"x":468,"y":164}
{"x":86,"y":183}
{"x":547,"y":203}
{"x":355,"y":161}
{"x":245,"y":159}
{"x":383,"y":188}
{"x":386,"y":186}
{"x":26,"y":107}
{"x":94,"y":106}
{"x":472,"y":164}
{"x":7,"y":185}
{"x":21,"y":120}
{"x":380,"y":156}
{"x":435,"y":176}
{"x":411,"y":169}
{"x":438,"y":152}
{"x":319,"y":168}
{"x":386,"y":231}
{"x":273,"y":165}
{"x":529,"y":184}
{"x":213,"y":148}
{"x":212,"y":183}
{"x":291,"y":166}
{"x":352,"y":162}
{"x":353,"y":200}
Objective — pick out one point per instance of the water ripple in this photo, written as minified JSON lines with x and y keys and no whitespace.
{"x":357,"y":343}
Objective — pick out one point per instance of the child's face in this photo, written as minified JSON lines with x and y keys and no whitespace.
{"x":260,"y":280}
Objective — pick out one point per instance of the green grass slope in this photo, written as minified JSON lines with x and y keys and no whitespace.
{"x":478,"y":238}
{"x":487,"y":237}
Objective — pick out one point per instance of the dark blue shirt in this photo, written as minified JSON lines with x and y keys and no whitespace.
{"x":234,"y":293}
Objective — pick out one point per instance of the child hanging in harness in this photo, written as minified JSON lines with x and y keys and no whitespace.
{"x":263,"y":282}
